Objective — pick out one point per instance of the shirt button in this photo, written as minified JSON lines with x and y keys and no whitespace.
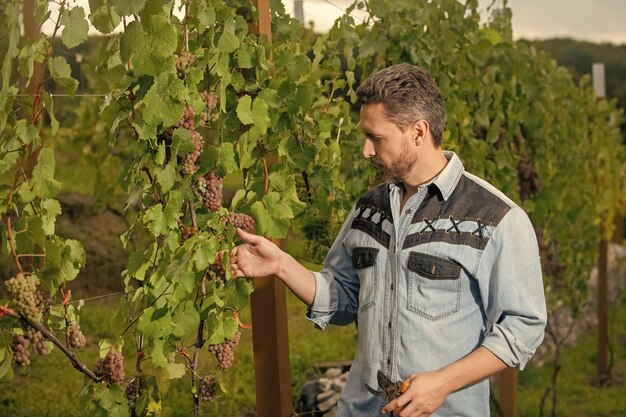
{"x":407,"y":211}
{"x":388,"y":361}
{"x":392,"y":286}
{"x":390,"y":325}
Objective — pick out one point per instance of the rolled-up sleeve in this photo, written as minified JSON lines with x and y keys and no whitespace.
{"x":511,"y":286}
{"x":336,"y":286}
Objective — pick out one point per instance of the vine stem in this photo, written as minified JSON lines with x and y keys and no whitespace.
{"x":9,"y":228}
{"x":194,"y":366}
{"x":267,"y":176}
{"x":155,"y":193}
{"x":78,"y":365}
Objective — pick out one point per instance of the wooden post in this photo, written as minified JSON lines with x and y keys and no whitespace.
{"x":597,"y":70}
{"x":272,"y":371}
{"x":508,"y":392}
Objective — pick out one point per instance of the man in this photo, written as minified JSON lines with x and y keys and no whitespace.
{"x":440,"y":270}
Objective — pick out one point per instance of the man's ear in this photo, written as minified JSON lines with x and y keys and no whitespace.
{"x":421,"y":130}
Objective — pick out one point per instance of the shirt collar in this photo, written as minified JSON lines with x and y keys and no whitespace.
{"x":447,"y":179}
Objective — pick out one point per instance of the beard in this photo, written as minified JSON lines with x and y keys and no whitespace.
{"x":398,"y":170}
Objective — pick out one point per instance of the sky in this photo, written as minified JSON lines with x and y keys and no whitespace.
{"x":591,"y":20}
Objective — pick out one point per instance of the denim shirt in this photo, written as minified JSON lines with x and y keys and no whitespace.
{"x":458,"y":268}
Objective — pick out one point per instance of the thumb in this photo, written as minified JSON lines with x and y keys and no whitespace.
{"x":248,"y":237}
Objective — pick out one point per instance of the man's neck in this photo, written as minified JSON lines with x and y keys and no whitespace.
{"x":430,"y":166}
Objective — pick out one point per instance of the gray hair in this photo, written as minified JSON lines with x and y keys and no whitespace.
{"x":408,"y":93}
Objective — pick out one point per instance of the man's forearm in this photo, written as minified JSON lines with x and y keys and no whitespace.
{"x":297,"y":278}
{"x":475,"y":367}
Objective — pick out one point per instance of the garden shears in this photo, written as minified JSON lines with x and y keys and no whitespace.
{"x":387,"y":389}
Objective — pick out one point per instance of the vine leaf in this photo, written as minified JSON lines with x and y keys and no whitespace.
{"x":50,"y":209}
{"x":228,"y":42}
{"x":159,"y":221}
{"x":62,"y":73}
{"x":221,"y":328}
{"x":43,"y":183}
{"x":150,"y":44}
{"x":64,"y":258}
{"x":76,"y":27}
{"x":103,"y":17}
{"x":163,"y":103}
{"x":186,"y":319}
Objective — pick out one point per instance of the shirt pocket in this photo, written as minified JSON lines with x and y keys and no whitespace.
{"x":434,"y":287}
{"x":365,"y":261}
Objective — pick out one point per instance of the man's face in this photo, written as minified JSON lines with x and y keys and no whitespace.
{"x":387,"y":146}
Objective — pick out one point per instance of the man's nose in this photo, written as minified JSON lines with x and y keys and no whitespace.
{"x":368,"y":149}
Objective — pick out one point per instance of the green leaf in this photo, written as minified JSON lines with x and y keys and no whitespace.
{"x":43,"y":183}
{"x":50,"y":209}
{"x":260,"y":118}
{"x":182,"y":143}
{"x":128,"y":7}
{"x":160,"y":221}
{"x":176,"y":370}
{"x":138,"y":264}
{"x":186,"y":319}
{"x":103,"y":17}
{"x":244,"y":110}
{"x":166,"y":177}
{"x":28,"y":133}
{"x":221,"y":328}
{"x":155,"y":323}
{"x":150,"y":45}
{"x":76,"y":27}
{"x":164,"y":102}
{"x":237,"y":293}
{"x":228,"y":42}
{"x":62,"y":73}
{"x":48,"y":104}
{"x":226,"y":159}
{"x":64,"y":258}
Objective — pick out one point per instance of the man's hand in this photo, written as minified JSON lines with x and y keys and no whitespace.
{"x":424,"y":396}
{"x":256,"y":257}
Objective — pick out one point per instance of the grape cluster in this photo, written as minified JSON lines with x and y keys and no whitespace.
{"x":207,"y":388}
{"x":36,"y":339}
{"x":187,"y":119}
{"x":76,"y":337}
{"x":530,"y":186}
{"x":187,"y":232}
{"x":210,"y":112}
{"x":22,"y":289}
{"x":242,"y":221}
{"x":216,"y":271}
{"x":132,"y":391}
{"x":224,"y":352}
{"x":190,"y":163}
{"x":19,"y":346}
{"x":184,"y":61}
{"x":210,"y":188}
{"x":111,"y":367}
{"x":43,"y":299}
